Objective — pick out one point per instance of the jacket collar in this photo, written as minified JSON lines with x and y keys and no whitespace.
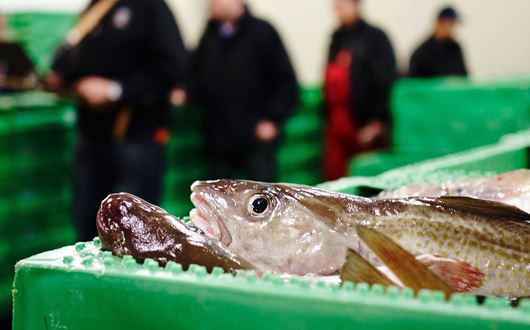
{"x":355,"y":28}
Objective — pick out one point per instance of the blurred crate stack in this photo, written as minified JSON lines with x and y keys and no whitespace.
{"x":300,"y":153}
{"x":438,"y":117}
{"x":185,"y":161}
{"x":36,"y":140}
{"x":299,"y":156}
{"x":40,"y":34}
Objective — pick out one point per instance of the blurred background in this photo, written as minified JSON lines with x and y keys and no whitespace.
{"x":427,"y":118}
{"x":493,"y":35}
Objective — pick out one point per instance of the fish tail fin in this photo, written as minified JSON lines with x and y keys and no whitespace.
{"x":411,"y":272}
{"x":358,"y":270}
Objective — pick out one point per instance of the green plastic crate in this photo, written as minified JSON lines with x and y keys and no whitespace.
{"x":308,"y":178}
{"x":15,"y":183}
{"x":509,"y":154}
{"x":375,"y":163}
{"x":454,"y":115}
{"x":105,"y":292}
{"x":18,"y":208}
{"x":29,"y":100}
{"x":40,"y":34}
{"x":23,"y":246}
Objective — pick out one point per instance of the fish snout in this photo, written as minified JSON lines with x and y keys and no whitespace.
{"x":108,"y":224}
{"x":198,"y":186}
{"x":205,"y":217}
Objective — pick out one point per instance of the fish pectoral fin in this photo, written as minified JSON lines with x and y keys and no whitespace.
{"x":359,"y":270}
{"x":411,"y":272}
{"x":460,"y":275}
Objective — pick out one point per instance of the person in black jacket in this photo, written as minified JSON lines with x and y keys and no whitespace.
{"x":440,"y":55}
{"x":243,"y":79}
{"x":359,"y":76}
{"x":122,"y":71}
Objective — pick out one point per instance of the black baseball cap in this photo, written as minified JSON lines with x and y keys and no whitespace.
{"x":449,"y":12}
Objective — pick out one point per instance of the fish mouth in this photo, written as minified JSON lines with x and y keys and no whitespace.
{"x":204,"y":217}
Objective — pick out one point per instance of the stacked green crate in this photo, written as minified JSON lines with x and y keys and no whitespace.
{"x":300,"y":153}
{"x":185,"y":160}
{"x":40,"y":34}
{"x":36,"y":136}
{"x":437,"y":117}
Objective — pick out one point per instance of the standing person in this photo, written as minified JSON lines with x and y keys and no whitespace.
{"x":122,"y":71}
{"x":440,"y":55}
{"x":360,"y":72}
{"x":244,"y":80}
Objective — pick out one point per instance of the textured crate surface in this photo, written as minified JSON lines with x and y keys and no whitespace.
{"x":106,"y":292}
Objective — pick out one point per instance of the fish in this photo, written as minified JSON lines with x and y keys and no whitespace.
{"x":128,"y":225}
{"x":512,"y":188}
{"x":301,"y":230}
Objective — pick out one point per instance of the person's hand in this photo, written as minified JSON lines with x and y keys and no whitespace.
{"x":370,"y":132}
{"x":53,"y":81}
{"x":97,"y":91}
{"x":178,"y":97}
{"x":266,"y":130}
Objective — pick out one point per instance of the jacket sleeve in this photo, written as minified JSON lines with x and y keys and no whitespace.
{"x":63,"y":63}
{"x":197,"y":57}
{"x":462,"y":63}
{"x":417,"y":65}
{"x":283,"y":93}
{"x":333,"y":48}
{"x":383,"y":68}
{"x":168,"y":60}
{"x":65,"y":58}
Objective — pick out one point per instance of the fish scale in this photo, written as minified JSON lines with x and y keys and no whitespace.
{"x":471,"y":241}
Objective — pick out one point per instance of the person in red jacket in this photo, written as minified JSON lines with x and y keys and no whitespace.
{"x":359,"y":76}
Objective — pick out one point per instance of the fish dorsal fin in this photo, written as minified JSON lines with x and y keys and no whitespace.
{"x":486,"y":208}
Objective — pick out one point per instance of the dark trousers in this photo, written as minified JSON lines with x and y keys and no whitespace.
{"x":135,"y":166}
{"x":259,"y":161}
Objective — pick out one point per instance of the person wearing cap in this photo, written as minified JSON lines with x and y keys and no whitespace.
{"x":243,"y":79}
{"x":359,"y":76}
{"x":122,"y":72}
{"x":440,"y":55}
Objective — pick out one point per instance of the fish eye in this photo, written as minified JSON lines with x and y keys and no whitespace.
{"x":259,"y":204}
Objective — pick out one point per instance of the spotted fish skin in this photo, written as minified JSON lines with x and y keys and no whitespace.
{"x":307,"y":230}
{"x":498,"y":247}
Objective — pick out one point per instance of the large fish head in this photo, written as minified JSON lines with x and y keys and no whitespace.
{"x":274,"y":226}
